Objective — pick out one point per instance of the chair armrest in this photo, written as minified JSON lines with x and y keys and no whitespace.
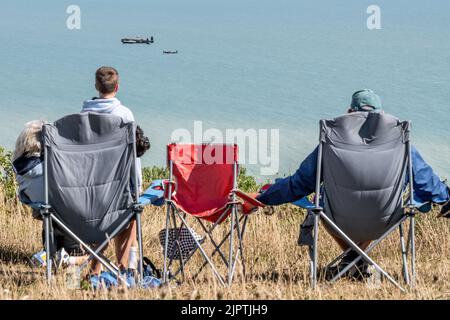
{"x":166,"y":184}
{"x":248,"y":198}
{"x":304,"y":203}
{"x":154,"y":194}
{"x":39,"y":206}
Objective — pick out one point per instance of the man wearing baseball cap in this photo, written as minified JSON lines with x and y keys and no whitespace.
{"x":428,"y":188}
{"x":365,"y":100}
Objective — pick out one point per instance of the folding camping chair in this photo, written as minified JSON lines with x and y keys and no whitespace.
{"x":203,"y":185}
{"x":89,"y":174}
{"x":363,"y":159}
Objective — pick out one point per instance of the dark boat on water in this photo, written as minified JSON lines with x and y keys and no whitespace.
{"x":170,"y":52}
{"x":137,"y":40}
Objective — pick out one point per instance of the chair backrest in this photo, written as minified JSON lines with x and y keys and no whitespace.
{"x":204,"y":176}
{"x":364,"y":163}
{"x":89,"y":164}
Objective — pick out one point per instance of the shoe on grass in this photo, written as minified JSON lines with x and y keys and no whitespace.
{"x":61,"y":259}
{"x":150,"y":282}
{"x":445,"y":210}
{"x":357,"y":271}
{"x":370,"y":275}
{"x":130,"y":277}
{"x":104,"y":280}
{"x":364,"y":272}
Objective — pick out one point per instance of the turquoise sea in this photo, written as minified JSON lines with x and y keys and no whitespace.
{"x":280,"y":64}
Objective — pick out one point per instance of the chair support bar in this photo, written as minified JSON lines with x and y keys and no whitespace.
{"x":88,"y":248}
{"x":359,"y":250}
{"x":368,"y":249}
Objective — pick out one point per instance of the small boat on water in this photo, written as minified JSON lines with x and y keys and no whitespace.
{"x":170,"y":52}
{"x":137,"y":40}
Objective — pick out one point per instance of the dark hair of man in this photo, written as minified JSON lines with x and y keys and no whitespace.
{"x":142,"y":142}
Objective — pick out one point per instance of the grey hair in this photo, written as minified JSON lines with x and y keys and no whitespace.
{"x":28,"y":143}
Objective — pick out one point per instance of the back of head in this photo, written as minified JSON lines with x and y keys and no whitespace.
{"x":106,"y":80}
{"x":28,"y":143}
{"x":365,"y":100}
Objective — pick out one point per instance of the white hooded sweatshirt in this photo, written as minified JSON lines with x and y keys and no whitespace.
{"x":113,"y":106}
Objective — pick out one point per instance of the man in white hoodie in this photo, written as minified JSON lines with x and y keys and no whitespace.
{"x":107,"y":85}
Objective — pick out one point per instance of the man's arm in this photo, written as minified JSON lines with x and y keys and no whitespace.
{"x":292,"y":188}
{"x":139,"y":173}
{"x":427,"y":185}
{"x":138,"y":169}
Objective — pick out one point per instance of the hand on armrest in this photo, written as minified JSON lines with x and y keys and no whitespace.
{"x":250,"y":203}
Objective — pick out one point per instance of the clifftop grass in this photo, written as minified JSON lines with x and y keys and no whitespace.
{"x":276,"y":267}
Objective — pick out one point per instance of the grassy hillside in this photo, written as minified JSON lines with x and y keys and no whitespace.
{"x":276,"y":267}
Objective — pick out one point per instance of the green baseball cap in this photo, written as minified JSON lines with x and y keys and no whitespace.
{"x":365,"y":100}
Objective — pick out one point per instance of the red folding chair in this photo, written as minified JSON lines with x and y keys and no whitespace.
{"x":202,"y":187}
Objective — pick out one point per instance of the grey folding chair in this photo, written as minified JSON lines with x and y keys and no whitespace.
{"x":89,"y":176}
{"x":363,"y":159}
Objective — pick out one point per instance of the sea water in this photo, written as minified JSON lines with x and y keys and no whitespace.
{"x":258,"y":64}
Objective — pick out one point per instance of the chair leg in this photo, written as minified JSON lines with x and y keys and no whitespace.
{"x":314,"y":255}
{"x":49,"y":219}
{"x":368,"y":249}
{"x":214,"y":243}
{"x":404,"y":255}
{"x":241,"y":244}
{"x":176,"y":244}
{"x":48,"y":248}
{"x":216,"y":249}
{"x":140,"y":247}
{"x":359,"y":250}
{"x":166,"y":244}
{"x":230,"y":251}
{"x":205,"y":256}
{"x":413,"y":251}
{"x":103,"y":261}
{"x":177,"y":247}
{"x":339,"y":257}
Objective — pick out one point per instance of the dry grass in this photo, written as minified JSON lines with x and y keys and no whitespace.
{"x":276,"y":267}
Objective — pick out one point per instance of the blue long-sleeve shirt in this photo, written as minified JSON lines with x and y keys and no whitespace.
{"x":427,"y":185}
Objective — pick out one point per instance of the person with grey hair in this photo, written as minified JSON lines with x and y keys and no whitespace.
{"x":27,"y":164}
{"x":28,"y":168}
